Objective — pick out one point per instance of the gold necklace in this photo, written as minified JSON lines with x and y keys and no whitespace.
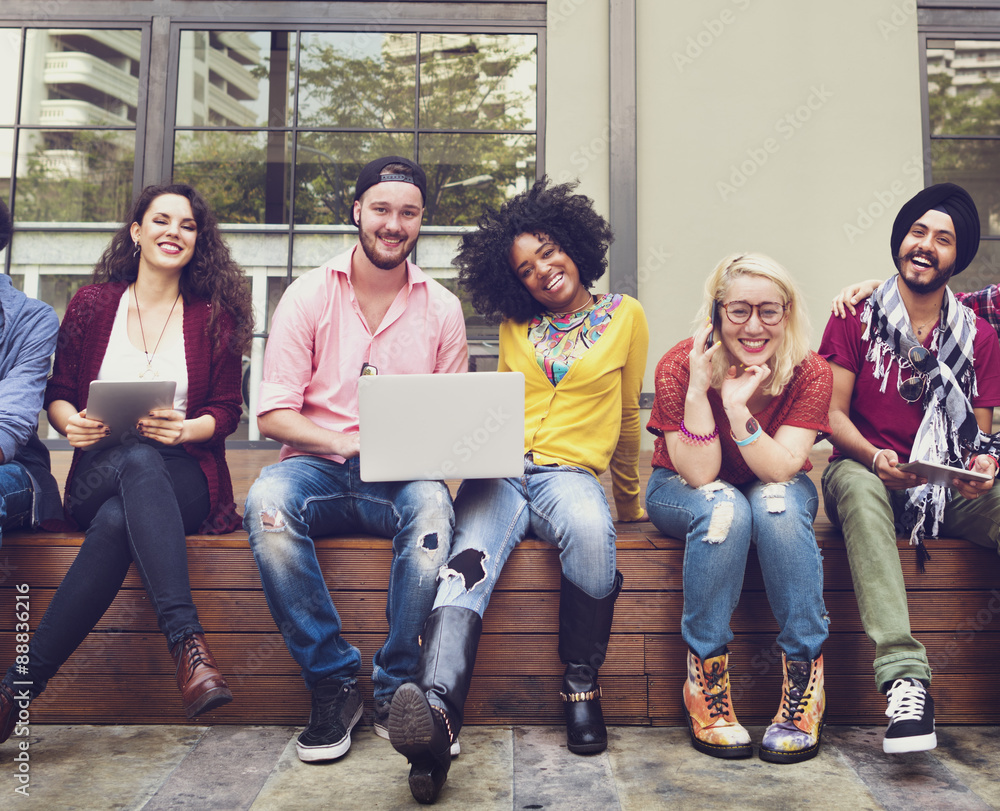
{"x":583,"y":306}
{"x":149,"y":372}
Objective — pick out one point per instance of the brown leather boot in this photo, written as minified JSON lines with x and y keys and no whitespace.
{"x":198,"y":678}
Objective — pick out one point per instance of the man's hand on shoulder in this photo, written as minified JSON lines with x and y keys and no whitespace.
{"x":851,"y":295}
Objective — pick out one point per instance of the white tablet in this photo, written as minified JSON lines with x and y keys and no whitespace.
{"x":120,"y":404}
{"x":942,"y":474}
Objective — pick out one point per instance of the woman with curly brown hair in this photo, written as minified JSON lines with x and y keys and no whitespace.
{"x":532,"y":264}
{"x":168,"y":302}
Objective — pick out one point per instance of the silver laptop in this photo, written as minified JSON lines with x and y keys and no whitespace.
{"x":444,"y":426}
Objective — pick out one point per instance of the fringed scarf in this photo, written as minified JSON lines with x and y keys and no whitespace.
{"x":949,"y":429}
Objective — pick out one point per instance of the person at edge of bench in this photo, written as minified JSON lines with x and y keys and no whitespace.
{"x":915,"y":376}
{"x":29,"y":494}
{"x":168,"y":301}
{"x":367,"y":311}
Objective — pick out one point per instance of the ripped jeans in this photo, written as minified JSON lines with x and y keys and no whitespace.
{"x":306,"y":497}
{"x":563,"y":506}
{"x":718,"y":522}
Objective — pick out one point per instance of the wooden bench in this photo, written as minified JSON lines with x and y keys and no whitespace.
{"x":123,"y":673}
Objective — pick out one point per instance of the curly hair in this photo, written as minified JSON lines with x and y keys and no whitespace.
{"x":567,"y":219}
{"x":794,"y":347}
{"x":212,"y":274}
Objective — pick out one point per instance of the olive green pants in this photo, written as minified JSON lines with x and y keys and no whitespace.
{"x":866,"y":512}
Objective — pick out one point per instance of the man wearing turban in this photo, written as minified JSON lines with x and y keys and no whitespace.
{"x":915,"y":377}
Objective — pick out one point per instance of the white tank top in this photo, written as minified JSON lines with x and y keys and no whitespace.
{"x":122,"y":361}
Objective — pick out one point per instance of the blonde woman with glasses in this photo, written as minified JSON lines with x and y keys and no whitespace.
{"x":737,"y":410}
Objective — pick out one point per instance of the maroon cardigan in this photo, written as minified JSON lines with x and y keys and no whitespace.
{"x":214,"y":375}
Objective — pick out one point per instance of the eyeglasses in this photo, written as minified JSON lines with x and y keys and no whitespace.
{"x":769,"y":312}
{"x":922,"y":361}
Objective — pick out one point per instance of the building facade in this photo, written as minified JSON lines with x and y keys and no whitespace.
{"x":699,"y":128}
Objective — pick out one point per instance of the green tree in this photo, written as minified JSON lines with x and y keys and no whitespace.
{"x":462,"y":87}
{"x":76,"y":176}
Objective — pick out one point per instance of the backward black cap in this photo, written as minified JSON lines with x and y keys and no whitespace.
{"x":958,"y":204}
{"x":371,"y":174}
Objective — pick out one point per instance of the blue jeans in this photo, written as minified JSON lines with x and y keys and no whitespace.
{"x":137,"y":503}
{"x":306,"y":497}
{"x":563,"y":506}
{"x":718,"y":522}
{"x":16,"y":495}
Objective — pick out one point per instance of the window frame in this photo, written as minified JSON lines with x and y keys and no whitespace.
{"x":952,"y":20}
{"x":417,"y":26}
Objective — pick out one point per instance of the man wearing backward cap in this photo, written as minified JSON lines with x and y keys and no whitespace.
{"x":367,"y":311}
{"x":916,"y":376}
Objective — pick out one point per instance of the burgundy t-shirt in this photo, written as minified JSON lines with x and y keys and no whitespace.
{"x":884,"y":418}
{"x":805,"y":403}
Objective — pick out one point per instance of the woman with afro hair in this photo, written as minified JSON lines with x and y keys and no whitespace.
{"x":168,"y":302}
{"x":531,"y":265}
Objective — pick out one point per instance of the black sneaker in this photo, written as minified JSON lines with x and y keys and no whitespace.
{"x":911,"y":710}
{"x":380,"y":721}
{"x":336,"y":708}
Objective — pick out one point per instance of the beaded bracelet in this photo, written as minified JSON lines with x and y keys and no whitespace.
{"x":697,"y":439}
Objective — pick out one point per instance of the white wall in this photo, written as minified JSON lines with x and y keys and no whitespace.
{"x":766,"y":126}
{"x":577,"y":129}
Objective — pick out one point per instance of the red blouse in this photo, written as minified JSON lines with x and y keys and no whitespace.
{"x":805,"y":403}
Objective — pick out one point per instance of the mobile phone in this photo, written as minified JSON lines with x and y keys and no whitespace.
{"x":714,"y":316}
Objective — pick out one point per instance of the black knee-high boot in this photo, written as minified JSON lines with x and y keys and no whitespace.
{"x":584,"y":631}
{"x":426,"y":716}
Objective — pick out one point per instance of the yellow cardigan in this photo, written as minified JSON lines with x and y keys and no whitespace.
{"x":591,"y":418}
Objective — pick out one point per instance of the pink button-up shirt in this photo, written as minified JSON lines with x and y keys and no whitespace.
{"x":319,"y":341}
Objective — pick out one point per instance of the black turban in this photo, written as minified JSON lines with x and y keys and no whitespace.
{"x":956,"y":203}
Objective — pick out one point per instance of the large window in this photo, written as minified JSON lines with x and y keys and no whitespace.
{"x":963,"y":103}
{"x":270,"y":122}
{"x":67,"y":149}
{"x":274,"y":127}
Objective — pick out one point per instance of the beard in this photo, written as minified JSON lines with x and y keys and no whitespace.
{"x":923,"y":286}
{"x":384,"y":260}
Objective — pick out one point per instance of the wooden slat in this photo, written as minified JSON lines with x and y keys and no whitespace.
{"x":245,"y":656}
{"x":86,"y":698}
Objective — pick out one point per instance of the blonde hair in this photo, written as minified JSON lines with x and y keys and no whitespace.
{"x":794,"y":346}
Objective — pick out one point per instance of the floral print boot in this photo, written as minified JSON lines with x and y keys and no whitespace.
{"x":711,"y":719}
{"x":794,"y":734}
